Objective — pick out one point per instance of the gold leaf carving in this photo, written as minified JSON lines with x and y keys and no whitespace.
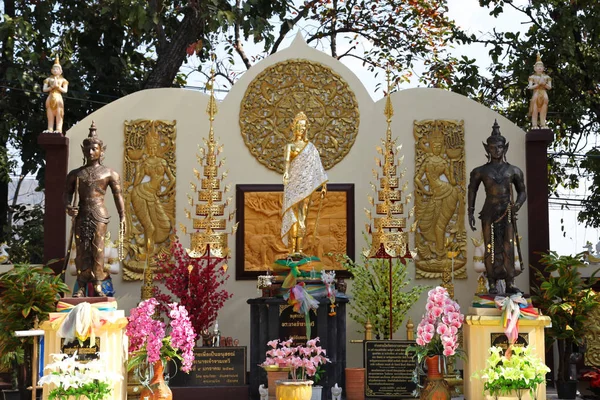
{"x":592,"y":351}
{"x":262,"y":225}
{"x":277,"y":94}
{"x":149,"y":184}
{"x":440,"y":197}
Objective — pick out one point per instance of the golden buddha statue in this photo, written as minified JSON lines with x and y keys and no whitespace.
{"x":303,"y":175}
{"x":55,"y":86}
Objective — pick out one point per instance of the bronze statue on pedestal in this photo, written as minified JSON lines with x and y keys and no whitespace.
{"x":498,"y":215}
{"x":91,"y":216}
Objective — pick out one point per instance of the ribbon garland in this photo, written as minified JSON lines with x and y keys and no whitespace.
{"x":513,"y":308}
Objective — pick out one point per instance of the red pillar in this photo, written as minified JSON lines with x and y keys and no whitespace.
{"x":55,"y":227}
{"x":536,"y":153}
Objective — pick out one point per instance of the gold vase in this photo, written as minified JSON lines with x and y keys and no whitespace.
{"x":294,"y":390}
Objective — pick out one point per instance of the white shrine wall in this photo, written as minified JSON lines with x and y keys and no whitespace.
{"x":188,"y":108}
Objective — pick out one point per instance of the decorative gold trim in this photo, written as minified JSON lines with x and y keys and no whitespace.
{"x":282,"y":90}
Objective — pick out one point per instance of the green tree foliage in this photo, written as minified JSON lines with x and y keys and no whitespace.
{"x":567,"y":35}
{"x":371,"y":292}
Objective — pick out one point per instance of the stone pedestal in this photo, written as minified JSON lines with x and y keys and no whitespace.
{"x":113,"y":343}
{"x":265,"y":324}
{"x":479,"y":334}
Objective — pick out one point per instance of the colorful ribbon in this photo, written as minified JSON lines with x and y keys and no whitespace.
{"x":513,"y":308}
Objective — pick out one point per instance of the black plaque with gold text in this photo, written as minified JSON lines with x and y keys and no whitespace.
{"x":215,"y":366}
{"x":388,"y":369}
{"x":293,"y":325}
{"x":85,"y":352}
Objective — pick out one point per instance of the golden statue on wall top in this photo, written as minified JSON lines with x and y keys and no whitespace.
{"x":205,"y":240}
{"x":539,"y":83}
{"x":55,"y":86}
{"x":303,"y":175}
{"x":286,"y":88}
{"x":439,"y":196}
{"x":149,"y":186}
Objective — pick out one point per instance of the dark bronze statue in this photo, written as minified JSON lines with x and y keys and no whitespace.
{"x":498,"y":215}
{"x":91,"y":216}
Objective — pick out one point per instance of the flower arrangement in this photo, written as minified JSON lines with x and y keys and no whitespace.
{"x":195,"y":282}
{"x":148,"y":341}
{"x":437,"y":333}
{"x":303,"y":361}
{"x":76,"y":379}
{"x":522,"y":371}
{"x":594,"y":377}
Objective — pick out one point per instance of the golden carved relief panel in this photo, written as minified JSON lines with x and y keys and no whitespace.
{"x":277,"y":94}
{"x":149,"y":183}
{"x":262,"y":226}
{"x":592,"y":351}
{"x":440,"y":192}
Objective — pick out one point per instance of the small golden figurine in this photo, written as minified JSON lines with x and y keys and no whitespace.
{"x":539,"y":83}
{"x":55,"y":86}
{"x":304,"y":174}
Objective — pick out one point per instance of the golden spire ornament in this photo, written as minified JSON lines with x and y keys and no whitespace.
{"x":388,"y":239}
{"x":206,"y":240}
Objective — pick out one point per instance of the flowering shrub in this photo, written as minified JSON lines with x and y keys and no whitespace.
{"x":303,"y":361}
{"x":76,"y":379}
{"x":148,"y":341}
{"x":505,"y":375}
{"x":195,"y":282}
{"x":437,"y":333}
{"x":594,"y":377}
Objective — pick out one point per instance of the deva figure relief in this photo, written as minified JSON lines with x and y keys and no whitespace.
{"x":439,"y":197}
{"x":149,"y":186}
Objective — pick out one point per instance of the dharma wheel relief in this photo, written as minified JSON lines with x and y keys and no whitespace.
{"x":283,"y":90}
{"x":440,"y":193}
{"x":149,"y":182}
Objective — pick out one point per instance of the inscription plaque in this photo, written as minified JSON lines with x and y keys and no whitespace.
{"x":500,"y":340}
{"x":293,"y":325}
{"x":85,"y":352}
{"x":215,"y":366}
{"x":389,"y":370}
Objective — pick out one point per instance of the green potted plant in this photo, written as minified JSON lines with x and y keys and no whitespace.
{"x":370,"y":292}
{"x":512,"y":376}
{"x":27,"y":294}
{"x":568,"y":299}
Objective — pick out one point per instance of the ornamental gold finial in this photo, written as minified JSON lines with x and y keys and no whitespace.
{"x":57,"y":61}
{"x":388,"y":237}
{"x":210,"y":205}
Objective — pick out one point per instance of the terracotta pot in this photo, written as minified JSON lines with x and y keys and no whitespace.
{"x":272,"y":377}
{"x":355,"y":384}
{"x":158,"y":389}
{"x":436,"y":388}
{"x":294,"y":390}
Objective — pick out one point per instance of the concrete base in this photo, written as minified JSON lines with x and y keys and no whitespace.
{"x":479,"y":333}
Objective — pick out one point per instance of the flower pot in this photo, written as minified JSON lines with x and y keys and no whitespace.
{"x":355,"y":383}
{"x":522,"y":395}
{"x":436,"y":387}
{"x":294,"y":390}
{"x":566,"y":389}
{"x":157,"y":389}
{"x":272,"y":377}
{"x":317,"y":392}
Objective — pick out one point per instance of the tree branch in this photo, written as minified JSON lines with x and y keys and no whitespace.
{"x":287,"y":25}
{"x":237,"y":45}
